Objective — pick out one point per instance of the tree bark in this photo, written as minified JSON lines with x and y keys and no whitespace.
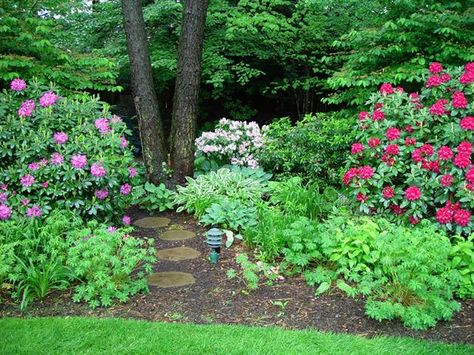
{"x":186,"y":95}
{"x":144,"y":96}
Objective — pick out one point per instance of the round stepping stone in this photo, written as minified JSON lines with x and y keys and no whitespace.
{"x":177,"y":254}
{"x":170,"y":279}
{"x":177,"y":234}
{"x":152,"y":222}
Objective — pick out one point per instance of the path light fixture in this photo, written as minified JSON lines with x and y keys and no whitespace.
{"x":214,"y":240}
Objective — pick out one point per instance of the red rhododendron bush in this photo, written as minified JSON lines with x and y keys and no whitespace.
{"x":413,"y":158}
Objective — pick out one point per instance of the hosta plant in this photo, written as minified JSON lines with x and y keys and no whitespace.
{"x":61,"y":153}
{"x":413,"y":155}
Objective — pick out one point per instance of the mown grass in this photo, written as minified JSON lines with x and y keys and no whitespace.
{"x":120,"y":336}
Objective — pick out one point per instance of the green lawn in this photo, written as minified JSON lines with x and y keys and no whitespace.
{"x":118,"y":336}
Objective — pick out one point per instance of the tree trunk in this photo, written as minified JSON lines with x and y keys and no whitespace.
{"x":144,"y":96}
{"x":186,"y":95}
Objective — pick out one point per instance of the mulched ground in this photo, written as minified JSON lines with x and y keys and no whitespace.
{"x":215,"y":299}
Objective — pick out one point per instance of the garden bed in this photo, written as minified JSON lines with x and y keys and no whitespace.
{"x":215,"y":299}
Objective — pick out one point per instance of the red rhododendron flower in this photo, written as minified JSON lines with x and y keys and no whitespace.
{"x":408,"y":128}
{"x":357,"y":148}
{"x":392,"y":149}
{"x":363,"y":115}
{"x":413,"y":220}
{"x":374,"y":142}
{"x":412,"y":193}
{"x":378,"y":105}
{"x":388,"y":192}
{"x":397,"y":210}
{"x":361,"y":197}
{"x":410,"y":141}
{"x":465,"y":148}
{"x":427,"y":149}
{"x":349,"y":175}
{"x":438,"y":108}
{"x":445,"y":153}
{"x":459,"y":100}
{"x":378,"y":115}
{"x":444,"y":215}
{"x":470,"y":175}
{"x":462,"y":160}
{"x":447,"y":180}
{"x":386,"y":89}
{"x":366,"y":172}
{"x":435,"y":68}
{"x":467,"y":123}
{"x":392,"y":133}
{"x":470,"y":187}
{"x":387,"y":159}
{"x":417,"y":155}
{"x":433,"y":81}
{"x":462,"y":217}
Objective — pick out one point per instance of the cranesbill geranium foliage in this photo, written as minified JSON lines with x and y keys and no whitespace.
{"x":413,"y":158}
{"x":61,"y":153}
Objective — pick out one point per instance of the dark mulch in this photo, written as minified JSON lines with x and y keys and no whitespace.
{"x":215,"y":299}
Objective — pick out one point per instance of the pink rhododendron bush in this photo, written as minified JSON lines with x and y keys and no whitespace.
{"x":61,"y":153}
{"x":413,"y":158}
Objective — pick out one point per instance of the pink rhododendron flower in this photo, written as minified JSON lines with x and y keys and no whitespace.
{"x":446,"y":180}
{"x":125,"y":189}
{"x":102,"y":125}
{"x":27,"y":180}
{"x":427,"y":149}
{"x":392,"y":149}
{"x":3,"y":197}
{"x":45,"y":185}
{"x":101,"y":194}
{"x":60,"y":137}
{"x":462,"y":160}
{"x":132,"y":172}
{"x":363,"y":115}
{"x":413,"y":220}
{"x":79,"y":161}
{"x":438,"y":108}
{"x":349,"y":175}
{"x":392,"y":133}
{"x":445,"y":77}
{"x":18,"y":85}
{"x":410,"y":141}
{"x":123,"y":142}
{"x":445,"y":153}
{"x":24,"y":201}
{"x":467,"y":123}
{"x":386,"y":89}
{"x":27,"y":108}
{"x":5,"y":212}
{"x":388,"y":192}
{"x":467,"y":77}
{"x":115,"y":119}
{"x":462,"y":217}
{"x":126,"y":220}
{"x":470,"y":175}
{"x":112,"y":229}
{"x":34,"y":211}
{"x":97,"y":170}
{"x":435,"y":68}
{"x":444,"y":215}
{"x":3,"y":187}
{"x":56,"y":159}
{"x":397,"y":210}
{"x":412,"y":193}
{"x":48,"y":99}
{"x":465,"y":148}
{"x":361,"y":197}
{"x":459,"y":100}
{"x":357,"y":148}
{"x":378,"y":115}
{"x":433,"y":81}
{"x":374,"y":142}
{"x":33,"y":166}
{"x":366,"y":172}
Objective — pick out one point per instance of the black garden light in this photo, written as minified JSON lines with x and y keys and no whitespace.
{"x":214,"y":239}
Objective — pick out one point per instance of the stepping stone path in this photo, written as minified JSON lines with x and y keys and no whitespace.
{"x":170,"y":278}
{"x":177,"y":254}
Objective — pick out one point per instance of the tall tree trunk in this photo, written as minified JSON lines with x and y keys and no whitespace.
{"x":186,"y":95}
{"x":144,"y":96}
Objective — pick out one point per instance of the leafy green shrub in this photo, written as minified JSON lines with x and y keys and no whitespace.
{"x":231,"y":214}
{"x":303,"y":245}
{"x":106,"y":261}
{"x":34,"y":252}
{"x":462,"y":260}
{"x":413,"y":279}
{"x":296,"y":199}
{"x":313,"y":148}
{"x":62,"y":153}
{"x":201,"y":192}
{"x":153,"y":197}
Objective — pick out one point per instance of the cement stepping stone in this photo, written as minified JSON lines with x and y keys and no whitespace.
{"x":170,"y":279}
{"x":177,"y":254}
{"x":177,"y":234}
{"x":152,"y":222}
